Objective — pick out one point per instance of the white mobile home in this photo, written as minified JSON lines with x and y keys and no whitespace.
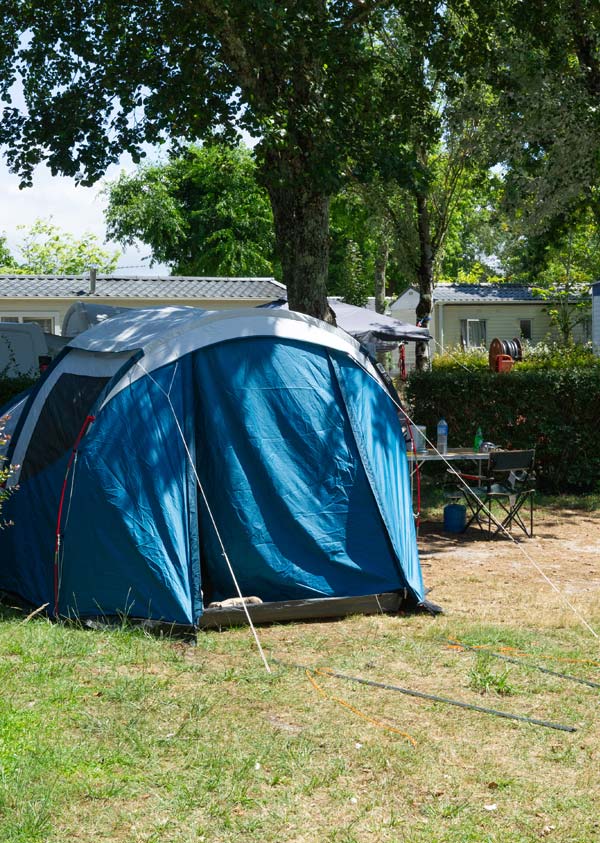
{"x":471,"y":315}
{"x":45,"y":299}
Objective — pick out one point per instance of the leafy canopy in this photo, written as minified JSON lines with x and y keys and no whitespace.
{"x":202,"y":212}
{"x":45,"y":249}
{"x":101,"y":77}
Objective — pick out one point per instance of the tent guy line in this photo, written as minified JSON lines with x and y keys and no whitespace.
{"x":459,"y":645}
{"x":487,"y":511}
{"x":209,"y":510}
{"x":399,"y":689}
{"x":379,"y":723}
{"x":273,"y":407}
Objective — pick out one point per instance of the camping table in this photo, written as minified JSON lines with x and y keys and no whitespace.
{"x":453,"y":455}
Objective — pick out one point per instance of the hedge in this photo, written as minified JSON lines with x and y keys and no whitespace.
{"x":557,"y":411}
{"x":9,"y":387}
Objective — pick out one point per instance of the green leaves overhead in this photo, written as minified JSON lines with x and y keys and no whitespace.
{"x":103,"y":77}
{"x":45,"y":249}
{"x":417,"y":97}
{"x":202,"y":212}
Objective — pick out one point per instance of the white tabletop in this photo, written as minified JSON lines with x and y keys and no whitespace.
{"x":453,"y":454}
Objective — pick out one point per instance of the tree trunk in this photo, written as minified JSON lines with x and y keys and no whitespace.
{"x":425,"y":276}
{"x":380,"y":269}
{"x":301,"y":218}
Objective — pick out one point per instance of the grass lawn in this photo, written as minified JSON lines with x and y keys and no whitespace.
{"x":118,"y":736}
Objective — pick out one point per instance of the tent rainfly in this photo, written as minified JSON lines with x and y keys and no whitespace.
{"x":367,"y":326}
{"x":168,"y":449}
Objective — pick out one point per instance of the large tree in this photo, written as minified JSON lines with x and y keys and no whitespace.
{"x":444,"y":151}
{"x":202,"y":212}
{"x":101,"y":77}
{"x":543,"y":60}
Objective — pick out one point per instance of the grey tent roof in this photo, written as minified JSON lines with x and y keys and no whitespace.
{"x":367,"y":325}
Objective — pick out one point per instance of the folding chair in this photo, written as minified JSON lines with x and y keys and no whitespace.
{"x":509,"y":481}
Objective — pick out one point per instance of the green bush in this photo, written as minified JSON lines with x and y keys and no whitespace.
{"x":557,"y":410}
{"x":468,"y":358}
{"x":555,"y":356}
{"x":10,"y":387}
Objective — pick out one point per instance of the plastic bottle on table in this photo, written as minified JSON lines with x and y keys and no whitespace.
{"x":478,"y":440}
{"x":442,"y":436}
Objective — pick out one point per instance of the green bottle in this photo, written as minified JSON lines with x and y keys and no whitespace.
{"x":478,"y":440}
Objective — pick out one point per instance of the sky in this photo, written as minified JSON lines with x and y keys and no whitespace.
{"x":72,"y":208}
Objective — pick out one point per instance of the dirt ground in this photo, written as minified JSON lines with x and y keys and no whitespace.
{"x":551,"y":579}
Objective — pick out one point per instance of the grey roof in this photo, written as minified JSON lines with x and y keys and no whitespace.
{"x":484,"y":294}
{"x":139,"y":287}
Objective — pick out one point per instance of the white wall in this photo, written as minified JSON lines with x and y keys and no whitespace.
{"x":56,"y":308}
{"x":404,"y":309}
{"x":502,"y":320}
{"x":596,"y":318}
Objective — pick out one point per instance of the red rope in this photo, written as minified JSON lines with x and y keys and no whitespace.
{"x":88,"y":421}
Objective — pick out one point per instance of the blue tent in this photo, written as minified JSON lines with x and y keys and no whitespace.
{"x":165,"y":445}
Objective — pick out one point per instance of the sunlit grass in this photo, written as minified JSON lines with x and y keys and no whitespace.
{"x":118,"y":736}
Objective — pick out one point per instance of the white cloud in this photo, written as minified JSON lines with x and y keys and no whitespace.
{"x":73,"y":208}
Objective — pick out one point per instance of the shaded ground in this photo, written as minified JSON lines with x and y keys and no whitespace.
{"x":506,"y":580}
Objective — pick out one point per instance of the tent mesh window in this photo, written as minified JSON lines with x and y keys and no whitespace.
{"x":60,"y":420}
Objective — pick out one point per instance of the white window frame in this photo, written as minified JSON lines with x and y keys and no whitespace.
{"x":466,"y":334}
{"x":23,"y":316}
{"x":530,"y":337}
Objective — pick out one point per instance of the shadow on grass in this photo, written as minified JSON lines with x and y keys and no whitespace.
{"x":10,"y":613}
{"x":556,"y":503}
{"x":434,"y":498}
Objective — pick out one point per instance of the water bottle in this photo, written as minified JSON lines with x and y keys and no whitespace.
{"x":442,"y":436}
{"x":478,"y":440}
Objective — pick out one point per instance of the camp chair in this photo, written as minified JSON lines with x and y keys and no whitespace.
{"x":508,"y":480}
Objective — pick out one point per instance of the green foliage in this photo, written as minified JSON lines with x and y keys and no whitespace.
{"x":486,"y":677}
{"x":100,"y":79}
{"x":6,"y":258}
{"x":555,"y":410}
{"x":469,"y":358}
{"x":203,"y":212}
{"x":554,"y":356}
{"x":469,"y":273}
{"x":5,"y":472}
{"x":352,"y":247}
{"x":11,"y":387}
{"x":541,"y":356}
{"x":48,"y":250}
{"x":542,"y":60}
